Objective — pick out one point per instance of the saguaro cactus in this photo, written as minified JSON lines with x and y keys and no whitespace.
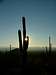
{"x":24,"y":31}
{"x":49,"y":45}
{"x":25,"y":41}
{"x":20,"y":47}
{"x":10,"y":47}
{"x":23,"y":47}
{"x":20,"y":40}
{"x":25,"y":38}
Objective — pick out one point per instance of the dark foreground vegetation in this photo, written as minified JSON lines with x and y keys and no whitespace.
{"x":19,"y":61}
{"x":38,"y":62}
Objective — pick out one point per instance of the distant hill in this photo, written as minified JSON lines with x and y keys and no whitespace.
{"x":6,"y":48}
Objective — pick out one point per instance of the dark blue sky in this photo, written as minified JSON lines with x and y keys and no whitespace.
{"x":40,"y":21}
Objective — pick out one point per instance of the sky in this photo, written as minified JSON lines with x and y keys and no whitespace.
{"x":40,"y":21}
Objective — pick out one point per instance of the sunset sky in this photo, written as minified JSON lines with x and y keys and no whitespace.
{"x":40,"y":21}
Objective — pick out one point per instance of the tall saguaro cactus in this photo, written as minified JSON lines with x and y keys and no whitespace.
{"x":49,"y":45}
{"x":24,"y":31}
{"x":23,"y":47}
{"x":20,"y":39}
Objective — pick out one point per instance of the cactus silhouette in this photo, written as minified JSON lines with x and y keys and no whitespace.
{"x":20,"y":39}
{"x":10,"y":48}
{"x":23,"y":47}
{"x":49,"y":45}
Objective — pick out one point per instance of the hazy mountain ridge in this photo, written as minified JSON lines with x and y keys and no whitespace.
{"x":29,"y":49}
